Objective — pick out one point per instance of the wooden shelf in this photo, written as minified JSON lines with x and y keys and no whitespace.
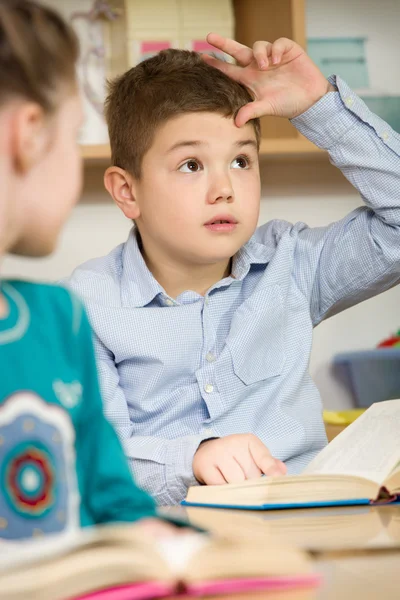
{"x":255,"y":20}
{"x":289,"y":147}
{"x":96,"y":154}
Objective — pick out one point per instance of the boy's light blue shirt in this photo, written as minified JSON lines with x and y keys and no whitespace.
{"x":176,"y":372}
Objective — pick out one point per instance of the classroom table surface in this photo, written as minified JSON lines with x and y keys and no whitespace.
{"x":356,"y":549}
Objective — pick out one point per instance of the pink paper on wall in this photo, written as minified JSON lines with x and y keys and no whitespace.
{"x":202,"y":46}
{"x":206,"y":48}
{"x":150,"y":48}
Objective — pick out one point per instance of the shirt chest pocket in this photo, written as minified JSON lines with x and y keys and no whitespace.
{"x":256,"y":338}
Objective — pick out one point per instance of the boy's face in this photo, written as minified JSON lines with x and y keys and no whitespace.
{"x":200,"y":170}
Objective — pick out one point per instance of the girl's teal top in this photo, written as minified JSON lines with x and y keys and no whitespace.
{"x":61,"y":463}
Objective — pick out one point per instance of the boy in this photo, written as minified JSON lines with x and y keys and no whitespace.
{"x":61,"y":464}
{"x":203,"y":322}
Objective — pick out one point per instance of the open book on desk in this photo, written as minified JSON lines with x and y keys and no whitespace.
{"x":317,"y":530}
{"x":116,"y":562}
{"x":360,"y":466}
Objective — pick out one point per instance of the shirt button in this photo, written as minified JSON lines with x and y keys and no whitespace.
{"x":349,"y":101}
{"x":207,"y":300}
{"x":169,"y":302}
{"x":385,"y":135}
{"x":210,"y":357}
{"x":209,"y":388}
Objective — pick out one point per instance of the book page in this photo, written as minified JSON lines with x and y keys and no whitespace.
{"x":178,"y":550}
{"x":369,"y":447}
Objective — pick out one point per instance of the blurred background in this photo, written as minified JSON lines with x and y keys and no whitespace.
{"x":357,"y":39}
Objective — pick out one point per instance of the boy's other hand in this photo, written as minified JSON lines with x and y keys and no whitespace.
{"x":283,"y":79}
{"x":233,"y":459}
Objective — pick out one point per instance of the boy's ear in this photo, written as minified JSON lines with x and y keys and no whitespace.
{"x":120,"y":185}
{"x":31,"y":136}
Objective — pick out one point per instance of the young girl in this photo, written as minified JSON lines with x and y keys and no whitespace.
{"x":61,"y":465}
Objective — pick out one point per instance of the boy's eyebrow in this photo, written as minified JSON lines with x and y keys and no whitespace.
{"x":185,"y":143}
{"x":249,"y":142}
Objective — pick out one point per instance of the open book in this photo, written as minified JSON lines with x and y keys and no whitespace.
{"x":116,"y":562}
{"x":316,"y":530}
{"x":360,"y":466}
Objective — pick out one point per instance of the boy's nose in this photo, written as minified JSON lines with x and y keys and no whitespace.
{"x":221,"y":191}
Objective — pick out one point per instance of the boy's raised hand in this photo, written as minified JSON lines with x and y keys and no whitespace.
{"x":233,"y":459}
{"x":283,"y":79}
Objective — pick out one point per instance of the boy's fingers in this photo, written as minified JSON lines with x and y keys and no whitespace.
{"x":213,"y":476}
{"x":242,"y":54}
{"x":252,"y":110}
{"x":279,"y":48}
{"x":232,"y":71}
{"x":250,"y":469}
{"x":262,"y":52}
{"x":263,"y":459}
{"x":281,"y":466}
{"x":231,"y":470}
{"x":270,"y":466}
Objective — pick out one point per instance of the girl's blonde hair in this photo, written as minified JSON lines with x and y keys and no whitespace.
{"x":38,"y":54}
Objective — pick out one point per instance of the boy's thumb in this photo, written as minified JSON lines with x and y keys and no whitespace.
{"x":252,"y":110}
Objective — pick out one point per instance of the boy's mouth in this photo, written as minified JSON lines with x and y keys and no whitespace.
{"x":221,"y":223}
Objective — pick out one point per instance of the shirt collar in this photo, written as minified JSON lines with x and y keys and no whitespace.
{"x":138,"y":286}
{"x":252,"y":253}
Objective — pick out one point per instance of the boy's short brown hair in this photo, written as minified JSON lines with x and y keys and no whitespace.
{"x":38,"y":54}
{"x":172,"y":83}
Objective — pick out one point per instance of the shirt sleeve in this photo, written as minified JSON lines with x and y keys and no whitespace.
{"x":108,"y":489}
{"x":359,"y":256}
{"x":163,"y":467}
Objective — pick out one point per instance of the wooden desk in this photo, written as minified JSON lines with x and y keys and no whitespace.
{"x":356,"y":549}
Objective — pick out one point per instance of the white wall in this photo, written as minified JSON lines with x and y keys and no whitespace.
{"x":376,"y":20}
{"x":312,"y":191}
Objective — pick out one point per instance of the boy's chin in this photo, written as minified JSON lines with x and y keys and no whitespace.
{"x":216,"y":258}
{"x":220,"y":254}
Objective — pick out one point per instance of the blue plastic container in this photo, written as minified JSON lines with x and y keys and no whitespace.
{"x":371,"y":375}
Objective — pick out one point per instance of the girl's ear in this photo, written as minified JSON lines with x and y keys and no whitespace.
{"x":30,"y":136}
{"x":120,"y":185}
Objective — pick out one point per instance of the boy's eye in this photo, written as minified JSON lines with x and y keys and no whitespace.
{"x":240,"y":162}
{"x":190,"y":166}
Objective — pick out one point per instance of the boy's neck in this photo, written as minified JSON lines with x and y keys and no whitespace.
{"x":176,"y":279}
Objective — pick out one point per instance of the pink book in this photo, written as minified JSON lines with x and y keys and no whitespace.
{"x":152,"y":590}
